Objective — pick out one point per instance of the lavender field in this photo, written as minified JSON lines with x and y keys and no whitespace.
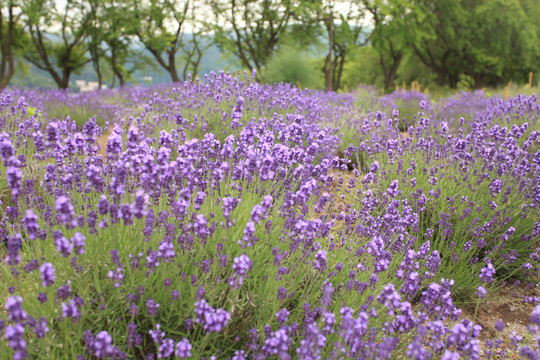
{"x":224,"y":219}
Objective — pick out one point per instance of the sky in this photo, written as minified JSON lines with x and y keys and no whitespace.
{"x":340,"y":6}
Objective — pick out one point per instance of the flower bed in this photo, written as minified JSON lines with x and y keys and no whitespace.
{"x":218,"y":221}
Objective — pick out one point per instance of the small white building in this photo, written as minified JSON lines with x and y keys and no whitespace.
{"x":83,"y":85}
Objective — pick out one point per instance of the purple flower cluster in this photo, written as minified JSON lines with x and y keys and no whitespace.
{"x":241,"y":266}
{"x":101,"y":346}
{"x":212,"y":320}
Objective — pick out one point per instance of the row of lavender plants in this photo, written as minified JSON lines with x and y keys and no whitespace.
{"x":224,"y":219}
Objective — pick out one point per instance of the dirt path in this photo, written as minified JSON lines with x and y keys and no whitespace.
{"x":102,"y":141}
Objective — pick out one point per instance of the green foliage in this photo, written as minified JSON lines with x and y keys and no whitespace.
{"x":437,"y":32}
{"x":63,"y":53}
{"x":490,"y":42}
{"x":532,"y":11}
{"x":389,"y":35}
{"x":345,"y":30}
{"x":12,"y":39}
{"x":412,"y":70}
{"x":291,"y":65}
{"x":454,"y":43}
{"x":253,"y":30}
{"x":363,"y":68}
{"x":502,"y":44}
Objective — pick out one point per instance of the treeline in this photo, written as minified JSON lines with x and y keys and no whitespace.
{"x":476,"y":43}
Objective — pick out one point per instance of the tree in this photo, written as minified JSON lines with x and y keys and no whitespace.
{"x":10,"y":31}
{"x":290,"y":64}
{"x":502,"y":43}
{"x":252,"y":29}
{"x":160,"y":27}
{"x":195,"y":44}
{"x":109,"y":40}
{"x":532,"y":10}
{"x":96,"y":36}
{"x":68,"y":55}
{"x":388,"y":36}
{"x":484,"y":42}
{"x":193,"y":52}
{"x":437,"y":32}
{"x":344,"y":29}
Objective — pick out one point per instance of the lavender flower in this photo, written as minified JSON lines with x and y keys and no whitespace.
{"x":14,"y":335}
{"x":6,"y":151}
{"x":47,"y":274}
{"x":30,"y":224}
{"x":70,"y":310}
{"x":282,"y":316}
{"x":183,"y":349}
{"x":152,"y":307}
{"x":14,"y":246}
{"x":320,"y":261}
{"x":65,"y":212}
{"x":103,"y":205}
{"x":78,"y":243}
{"x":138,"y":209}
{"x":450,"y":355}
{"x":499,"y":325}
{"x":487,"y":273}
{"x":64,"y":246}
{"x":14,"y":306}
{"x":481,"y":292}
{"x":277,"y":344}
{"x":216,"y":321}
{"x":242,"y":265}
{"x":166,"y":348}
{"x":535,"y":317}
{"x":13,"y":178}
{"x":102,"y":346}
{"x":374,"y":167}
{"x":212,"y":320}
{"x":41,"y":328}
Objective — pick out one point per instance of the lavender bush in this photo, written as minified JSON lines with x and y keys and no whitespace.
{"x":224,"y":219}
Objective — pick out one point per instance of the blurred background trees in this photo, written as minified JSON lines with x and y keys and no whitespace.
{"x":11,"y":39}
{"x":326,"y":44}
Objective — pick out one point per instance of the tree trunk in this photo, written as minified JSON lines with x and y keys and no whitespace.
{"x":97,"y":68}
{"x":389,"y":79}
{"x":390,"y":73}
{"x":172,"y":67}
{"x":174,"y":74}
{"x":121,"y":79}
{"x":100,"y":79}
{"x":337,"y":84}
{"x":113,"y":67}
{"x":197,"y":62}
{"x":7,"y":51}
{"x":117,"y":73}
{"x":395,"y":65}
{"x":330,"y":57}
{"x":441,"y":78}
{"x":453,"y":80}
{"x":64,"y":81}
